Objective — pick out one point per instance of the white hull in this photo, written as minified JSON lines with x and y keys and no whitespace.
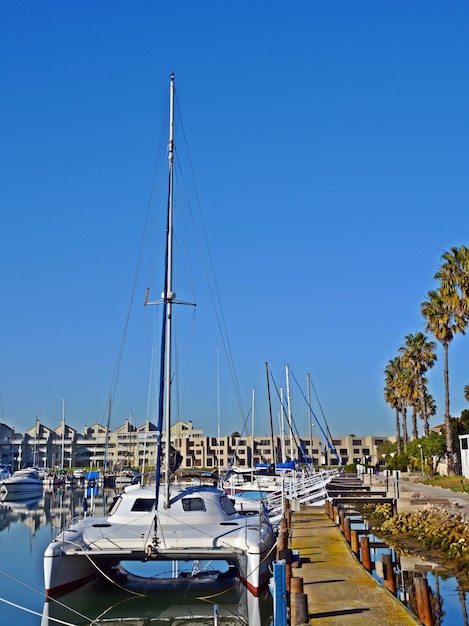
{"x":23,"y":482}
{"x":95,"y":546}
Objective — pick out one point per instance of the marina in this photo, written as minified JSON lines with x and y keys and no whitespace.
{"x":339,"y":589}
{"x":28,"y":526}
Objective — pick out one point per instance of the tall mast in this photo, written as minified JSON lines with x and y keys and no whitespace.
{"x":63,"y":434}
{"x":290,"y":419}
{"x":274,"y":455}
{"x":169,"y":296}
{"x":310,"y":413}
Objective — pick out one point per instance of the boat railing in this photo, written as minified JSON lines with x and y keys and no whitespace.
{"x":305,"y":489}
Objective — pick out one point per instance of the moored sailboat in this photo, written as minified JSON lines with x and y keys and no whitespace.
{"x":164,"y":521}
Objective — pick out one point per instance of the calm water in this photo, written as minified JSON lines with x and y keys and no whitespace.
{"x":448,"y":598}
{"x":26,"y":528}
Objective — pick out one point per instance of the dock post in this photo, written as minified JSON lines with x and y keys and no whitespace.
{"x":287,"y":512}
{"x":347,"y":530}
{"x":301,"y":610}
{"x":389,"y":575}
{"x":296,"y":587}
{"x":282,"y":541}
{"x":365,"y":553}
{"x":424,"y":605}
{"x":354,"y":543}
{"x":341,"y":519}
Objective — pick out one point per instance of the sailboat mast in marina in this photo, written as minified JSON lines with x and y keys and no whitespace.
{"x":195,"y":522}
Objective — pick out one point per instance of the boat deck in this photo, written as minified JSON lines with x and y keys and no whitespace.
{"x":340,"y":591}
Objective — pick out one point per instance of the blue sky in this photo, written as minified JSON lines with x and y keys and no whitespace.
{"x":329,"y":145}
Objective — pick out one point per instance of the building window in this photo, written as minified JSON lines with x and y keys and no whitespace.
{"x":356,"y":442}
{"x":464,"y":444}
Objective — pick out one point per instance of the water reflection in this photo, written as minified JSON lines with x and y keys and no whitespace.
{"x":423,"y":583}
{"x":169,"y":603}
{"x":100,"y":602}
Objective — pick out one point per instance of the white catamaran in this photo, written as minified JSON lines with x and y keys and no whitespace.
{"x":165,"y":522}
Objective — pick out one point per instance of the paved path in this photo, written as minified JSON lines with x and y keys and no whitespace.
{"x":415,"y":495}
{"x":340,"y":591}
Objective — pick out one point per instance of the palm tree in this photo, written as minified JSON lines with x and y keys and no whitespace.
{"x":419,"y":355}
{"x":430,"y":409}
{"x":396,"y":394}
{"x":391,"y":396}
{"x":466,"y":393}
{"x":454,"y":277}
{"x":443,"y":321}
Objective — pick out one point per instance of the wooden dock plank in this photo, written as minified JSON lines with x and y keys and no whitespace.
{"x":340,"y":591}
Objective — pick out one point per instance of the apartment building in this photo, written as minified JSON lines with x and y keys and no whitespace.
{"x":132,"y":446}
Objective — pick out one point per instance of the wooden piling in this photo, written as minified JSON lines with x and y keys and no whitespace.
{"x":354,"y":543}
{"x":389,"y":575}
{"x":287,"y":512}
{"x":341,"y":519}
{"x":365,"y":553}
{"x":301,"y":615}
{"x":347,"y":529}
{"x":424,"y":605}
{"x":296,"y":584}
{"x":282,"y":541}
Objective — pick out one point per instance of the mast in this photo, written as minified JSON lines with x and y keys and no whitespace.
{"x":282,"y":425}
{"x":274,"y":455}
{"x":310,"y":413}
{"x":252,"y":429}
{"x":63,"y":434}
{"x":290,"y":419}
{"x":168,"y":295}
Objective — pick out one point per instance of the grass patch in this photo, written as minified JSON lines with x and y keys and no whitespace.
{"x":455,"y":483}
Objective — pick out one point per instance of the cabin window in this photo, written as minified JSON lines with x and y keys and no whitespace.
{"x":115,"y":504}
{"x":227,"y":505}
{"x":193,"y":504}
{"x":143,"y":505}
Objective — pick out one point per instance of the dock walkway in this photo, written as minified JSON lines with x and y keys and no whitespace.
{"x":340,"y":591}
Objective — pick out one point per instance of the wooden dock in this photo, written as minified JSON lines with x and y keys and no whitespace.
{"x":340,"y":591}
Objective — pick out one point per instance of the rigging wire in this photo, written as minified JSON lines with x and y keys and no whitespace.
{"x":296,"y":434}
{"x":143,"y":243}
{"x":328,"y":441}
{"x":21,"y":582}
{"x":209,"y":269}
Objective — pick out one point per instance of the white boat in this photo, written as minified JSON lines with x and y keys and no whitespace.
{"x":4,"y":473}
{"x":24,"y":481}
{"x":166,"y":521}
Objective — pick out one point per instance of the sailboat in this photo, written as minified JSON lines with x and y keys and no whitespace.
{"x":166,"y":521}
